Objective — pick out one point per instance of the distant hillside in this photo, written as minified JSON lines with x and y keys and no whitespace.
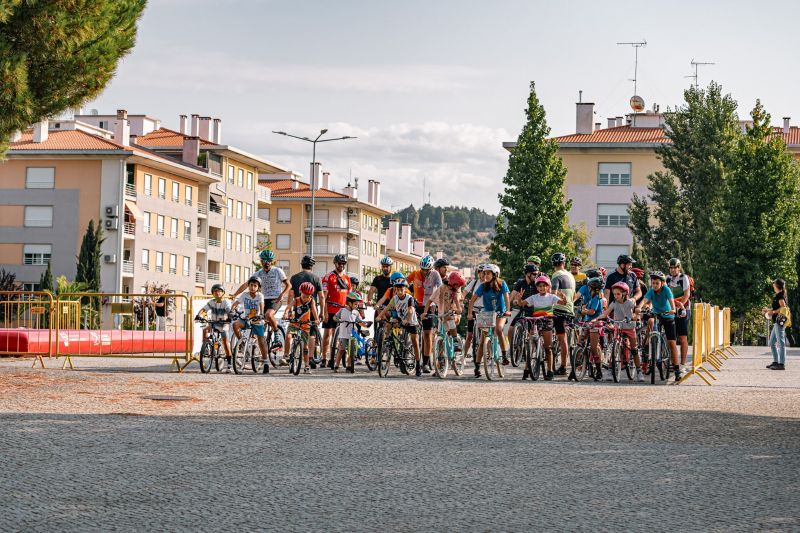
{"x":462,"y":233}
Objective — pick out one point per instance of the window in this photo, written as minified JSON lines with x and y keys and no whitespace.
{"x":229,"y":240}
{"x":162,"y":188}
{"x":160,"y":224}
{"x":176,"y":191}
{"x":173,"y":264}
{"x":248,"y":244}
{"x":159,"y":262}
{"x":283,"y":242}
{"x":239,"y":210}
{"x":246,"y":273}
{"x":238,"y":275}
{"x":186,"y":265}
{"x":30,"y":287}
{"x":263,"y":214}
{"x":40,"y":178}
{"x":250,"y":181}
{"x":230,"y":207}
{"x":238,"y":242}
{"x":148,"y":185}
{"x":36,"y":254}
{"x":228,"y":273}
{"x":187,"y":230}
{"x":241,"y":177}
{"x":145,"y":259}
{"x":173,"y":228}
{"x":284,"y":215}
{"x":189,"y":195}
{"x":614,"y":174}
{"x":607,"y":254}
{"x":612,"y":215}
{"x":146,"y":224}
{"x":248,"y":212}
{"x":283,"y":264}
{"x":231,"y":171}
{"x":39,"y":216}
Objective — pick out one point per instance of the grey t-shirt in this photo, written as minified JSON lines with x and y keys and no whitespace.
{"x":623,"y":311}
{"x":564,"y":281}
{"x":271,"y":282}
{"x":431,"y":283}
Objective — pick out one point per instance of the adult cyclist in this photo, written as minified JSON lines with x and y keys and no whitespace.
{"x":679,"y":284}
{"x":336,"y":286}
{"x":575,"y":269}
{"x":523,"y":288}
{"x":623,"y":273}
{"x":425,"y":281}
{"x":381,"y":283}
{"x":274,"y":287}
{"x":562,"y":281}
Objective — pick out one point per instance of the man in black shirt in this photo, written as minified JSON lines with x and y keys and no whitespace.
{"x":623,"y":273}
{"x":307,"y":263}
{"x":524,"y":287}
{"x":380,"y":284}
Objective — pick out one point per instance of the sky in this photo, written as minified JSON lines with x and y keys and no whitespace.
{"x":432,"y":88}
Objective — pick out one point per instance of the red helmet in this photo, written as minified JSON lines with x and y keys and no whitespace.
{"x":307,"y":288}
{"x":621,"y":285}
{"x":456,"y":280}
{"x":639,"y":272}
{"x":543,"y":279}
{"x":602,"y":271}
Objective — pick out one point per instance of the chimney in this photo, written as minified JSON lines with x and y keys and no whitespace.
{"x":183,"y":120}
{"x":133,"y":138}
{"x":295,"y":184}
{"x":620,"y":121}
{"x":786,"y":124}
{"x":191,"y":149}
{"x":584,"y":118}
{"x":439,"y":254}
{"x":16,"y":136}
{"x":326,"y":180}
{"x":41,"y":131}
{"x":370,"y":191}
{"x":216,"y":136}
{"x":405,"y":238}
{"x":376,"y":193}
{"x":393,"y":235}
{"x":314,"y":181}
{"x":122,"y":129}
{"x":205,"y":128}
{"x":418,"y":247}
{"x":598,"y":125}
{"x":195,"y":124}
{"x":612,"y":122}
{"x":350,"y":191}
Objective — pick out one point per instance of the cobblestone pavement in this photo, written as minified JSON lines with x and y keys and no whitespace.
{"x":86,"y":451}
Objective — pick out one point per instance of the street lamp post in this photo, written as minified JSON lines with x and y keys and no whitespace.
{"x":313,"y":178}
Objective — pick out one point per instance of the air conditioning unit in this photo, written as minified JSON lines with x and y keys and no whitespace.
{"x":112,"y":224}
{"x":308,"y":238}
{"x":350,"y":211}
{"x":112,"y":210}
{"x":308,"y":208}
{"x":110,"y":259}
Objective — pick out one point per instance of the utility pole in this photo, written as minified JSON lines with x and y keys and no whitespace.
{"x":636,"y":45}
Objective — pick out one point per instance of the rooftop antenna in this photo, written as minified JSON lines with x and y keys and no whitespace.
{"x":697,"y":64}
{"x":636,"y":45}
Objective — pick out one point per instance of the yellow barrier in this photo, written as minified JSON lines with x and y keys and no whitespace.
{"x":711,"y":333}
{"x":26,"y":321}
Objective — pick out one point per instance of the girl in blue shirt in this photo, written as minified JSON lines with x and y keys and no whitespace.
{"x":593,"y":308}
{"x":496,"y":299}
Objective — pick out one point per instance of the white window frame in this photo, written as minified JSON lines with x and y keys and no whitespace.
{"x":176,"y":192}
{"x":240,"y":177}
{"x":238,"y":242}
{"x":609,"y":176}
{"x":228,"y":273}
{"x":237,"y":274}
{"x":148,"y":184}
{"x":187,"y":230}
{"x":173,"y":228}
{"x":173,"y":264}
{"x":248,"y":212}
{"x":229,"y":240}
{"x":283,"y":242}
{"x":284,"y":215}
{"x":238,"y":209}
{"x":146,"y":224}
{"x":610,"y":219}
{"x":36,"y":254}
{"x":162,"y":188}
{"x":159,"y":261}
{"x":40,"y":178}
{"x":229,"y":207}
{"x":231,"y":174}
{"x":160,"y":225}
{"x":248,"y":244}
{"x":36,"y":216}
{"x":189,"y":195}
{"x":186,"y":266}
{"x":250,"y":181}
{"x":145,"y":259}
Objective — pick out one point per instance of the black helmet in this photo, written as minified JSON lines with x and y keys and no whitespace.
{"x":441,"y":263}
{"x":576,"y":261}
{"x":625,"y":258}
{"x":674,"y":262}
{"x":217,"y":287}
{"x":340,"y":258}
{"x":558,"y":258}
{"x":254,"y":279}
{"x":593,"y":273}
{"x":531,"y":269}
{"x":595,"y":283}
{"x":657,"y":274}
{"x":307,"y":262}
{"x":354,"y":281}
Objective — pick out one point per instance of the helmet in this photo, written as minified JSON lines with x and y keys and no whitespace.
{"x":387,"y":260}
{"x":217,"y":287}
{"x":602,"y":271}
{"x":254,"y":279}
{"x":543,"y":279}
{"x":426,"y":263}
{"x":353,"y":296}
{"x":531,"y":269}
{"x":400,"y":283}
{"x":396,"y":276}
{"x":535,"y":259}
{"x":621,"y":285}
{"x":491,"y":267}
{"x":674,"y":262}
{"x":595,"y":283}
{"x":557,"y":258}
{"x":639,"y":272}
{"x":625,"y":258}
{"x":455,"y":279}
{"x":480,"y":268}
{"x":307,"y":288}
{"x":354,"y":281}
{"x":576,"y":261}
{"x":267,"y":255}
{"x":441,"y":263}
{"x":594,"y":273}
{"x":340,"y":259}
{"x":307,"y":262}
{"x":657,"y":274}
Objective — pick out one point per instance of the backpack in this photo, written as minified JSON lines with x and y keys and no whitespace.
{"x":691,"y":283}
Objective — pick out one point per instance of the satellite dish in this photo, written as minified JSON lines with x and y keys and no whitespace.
{"x":637,"y":103}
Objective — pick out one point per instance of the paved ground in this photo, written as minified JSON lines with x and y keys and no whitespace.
{"x":85,"y":450}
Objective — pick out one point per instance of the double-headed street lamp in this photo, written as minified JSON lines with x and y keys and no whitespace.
{"x":313,"y":179}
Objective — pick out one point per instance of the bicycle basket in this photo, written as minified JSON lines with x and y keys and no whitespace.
{"x":485,"y":319}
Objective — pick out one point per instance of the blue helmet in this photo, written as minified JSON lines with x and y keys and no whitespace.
{"x":396,"y":276}
{"x":267,"y":255}
{"x":426,"y":263}
{"x":387,"y":260}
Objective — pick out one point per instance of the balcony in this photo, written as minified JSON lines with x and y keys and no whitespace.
{"x":201,"y":243}
{"x":263,"y":194}
{"x":202,"y":208}
{"x":321,"y":249}
{"x":200,"y":277}
{"x":215,"y":208}
{"x":215,"y":243}
{"x":130,"y":190}
{"x":213,"y":276}
{"x":334,"y":225}
{"x":129,"y":228}
{"x":127,"y":267}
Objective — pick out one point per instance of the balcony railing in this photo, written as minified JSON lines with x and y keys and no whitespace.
{"x":214,"y":242}
{"x":173,"y":234}
{"x":146,"y":228}
{"x":321,"y":249}
{"x":352,"y":250}
{"x":173,"y":270}
{"x":333,"y":224}
{"x":201,"y":242}
{"x":129,"y":228}
{"x":145,"y":266}
{"x":215,"y":208}
{"x":148,"y":191}
{"x":130,"y":190}
{"x":213,"y":276}
{"x":160,"y":231}
{"x":176,"y":198}
{"x":162,"y":195}
{"x":189,"y":201}
{"x":159,"y":268}
{"x":202,"y":208}
{"x":199,"y":277}
{"x":264,"y":194}
{"x":127,"y":267}
{"x":187,"y":236}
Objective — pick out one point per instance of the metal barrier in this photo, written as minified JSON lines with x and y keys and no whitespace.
{"x":67,"y":314}
{"x":711,"y":332}
{"x":126,"y":325}
{"x":26,"y":324}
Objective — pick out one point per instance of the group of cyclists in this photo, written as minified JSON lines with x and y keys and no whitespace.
{"x":578,"y":306}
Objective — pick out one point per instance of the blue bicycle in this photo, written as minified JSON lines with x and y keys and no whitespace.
{"x":447,"y":350}
{"x":359,"y":346}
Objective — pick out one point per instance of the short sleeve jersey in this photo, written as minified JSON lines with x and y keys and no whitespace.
{"x":305,"y":276}
{"x":271,"y":282}
{"x":400,"y":307}
{"x":431,"y":283}
{"x":580,"y":279}
{"x":382,"y":284}
{"x":302,"y":313}
{"x":679,"y":285}
{"x":623,"y":311}
{"x":564,"y":282}
{"x":250,"y":304}
{"x":595,"y":303}
{"x":417,"y":279}
{"x":493,"y":300}
{"x":630,"y":279}
{"x":660,"y":301}
{"x":337,"y":287}
{"x":344,"y":316}
{"x":542,"y":304}
{"x":524,"y":288}
{"x":217,"y":311}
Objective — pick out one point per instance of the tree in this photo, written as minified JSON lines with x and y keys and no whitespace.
{"x":8,"y":283}
{"x":757,"y":222}
{"x":533,"y":210}
{"x":89,"y":257}
{"x":578,"y":244}
{"x":58,"y":54}
{"x":46,"y":280}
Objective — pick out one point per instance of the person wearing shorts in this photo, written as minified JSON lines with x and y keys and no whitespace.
{"x":662,"y":304}
{"x":252,"y":303}
{"x":541,"y":305}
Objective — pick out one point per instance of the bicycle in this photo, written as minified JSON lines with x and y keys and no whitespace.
{"x":518,"y":346}
{"x":444,"y":349}
{"x":492,"y":362}
{"x":533,"y":346}
{"x":358,"y":345}
{"x":299,"y":347}
{"x":246,"y":346}
{"x":569,"y":331}
{"x":271,"y":335}
{"x":210,"y":349}
{"x":658,"y":350}
{"x":580,"y":354}
{"x":620,"y":351}
{"x":396,"y":350}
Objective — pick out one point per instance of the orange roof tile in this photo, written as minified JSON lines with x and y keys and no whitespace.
{"x":76,"y":140}
{"x":620,"y":134}
{"x":166,"y":137}
{"x":791,"y":138}
{"x":283,"y":189}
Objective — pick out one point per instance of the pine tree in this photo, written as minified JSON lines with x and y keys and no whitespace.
{"x":533,"y":210}
{"x":46,"y":279}
{"x":58,"y":54}
{"x":89,"y":257}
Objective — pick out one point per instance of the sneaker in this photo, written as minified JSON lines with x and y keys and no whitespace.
{"x":351,"y":370}
{"x":598,"y":372}
{"x":561,"y":371}
{"x":772,"y":365}
{"x":477,"y":372}
{"x":639,"y":376}
{"x":418,"y":370}
{"x":548,"y":376}
{"x":678,"y":374}
{"x":506,"y":360}
{"x":525,"y":374}
{"x":283,"y":362}
{"x":426,"y":369}
{"x":780,"y":367}
{"x":306,"y":370}
{"x":330,"y":363}
{"x":336,"y":369}
{"x":266,"y":367}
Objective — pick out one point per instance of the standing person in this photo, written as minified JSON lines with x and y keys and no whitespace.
{"x":575,"y":269}
{"x":541,"y":304}
{"x":678,"y":283}
{"x":336,"y":286}
{"x":777,"y":338}
{"x":295,"y":282}
{"x":562,"y":281}
{"x":160,"y":304}
{"x":381,"y":283}
{"x":425,"y":281}
{"x":477,"y":307}
{"x":623,"y":273}
{"x":622,"y":309}
{"x":441,"y":267}
{"x":496,"y":299}
{"x":523,"y":288}
{"x":642,"y":286}
{"x":346,"y":318}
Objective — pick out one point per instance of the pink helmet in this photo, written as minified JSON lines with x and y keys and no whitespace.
{"x":621,"y":285}
{"x":455,"y":279}
{"x":542,"y":279}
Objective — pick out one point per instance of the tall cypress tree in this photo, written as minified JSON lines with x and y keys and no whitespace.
{"x":533,"y":210}
{"x":89,"y":257}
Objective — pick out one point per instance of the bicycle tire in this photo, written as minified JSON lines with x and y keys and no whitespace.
{"x":296,"y":356}
{"x":654,"y":343}
{"x":630,"y":364}
{"x":240,"y":356}
{"x":256,"y":362}
{"x":272,"y":354}
{"x":580,"y":356}
{"x":350,"y":353}
{"x":218,"y":357}
{"x":614,"y":361}
{"x":527,"y":354}
{"x":666,"y":358}
{"x":387,"y":357}
{"x":206,"y":356}
{"x":458,"y":356}
{"x":441,"y":363}
{"x":538,"y":359}
{"x":371,"y":354}
{"x":334,"y":344}
{"x":517,"y":347}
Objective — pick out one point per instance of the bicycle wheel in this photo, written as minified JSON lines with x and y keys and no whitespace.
{"x":206,"y":356}
{"x":240,"y":356}
{"x":334,"y":345}
{"x":254,"y":353}
{"x":517,"y":355}
{"x":458,"y":356}
{"x":351,"y":354}
{"x":627,"y":360}
{"x":666,"y":359}
{"x":296,"y":356}
{"x":580,"y":355}
{"x":654,"y":358}
{"x":538,"y":359}
{"x":614,"y":361}
{"x":387,"y":356}
{"x":492,"y":365}
{"x":371,"y":354}
{"x":441,"y":364}
{"x":273,"y":353}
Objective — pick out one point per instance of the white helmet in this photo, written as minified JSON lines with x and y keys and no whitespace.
{"x":494,"y":268}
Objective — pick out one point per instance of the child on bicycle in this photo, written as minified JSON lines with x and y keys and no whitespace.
{"x":252,"y":302}
{"x":447,"y":297}
{"x":623,"y":309}
{"x":219,"y":312}
{"x":592,"y":308}
{"x":347,"y":318}
{"x":401,"y":307}
{"x":497,"y":300}
{"x":542,"y":303}
{"x":662,"y":303}
{"x":303,"y":318}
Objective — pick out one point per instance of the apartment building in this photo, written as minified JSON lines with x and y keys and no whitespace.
{"x":404,"y":251}
{"x":606,"y":166}
{"x":344,"y":223}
